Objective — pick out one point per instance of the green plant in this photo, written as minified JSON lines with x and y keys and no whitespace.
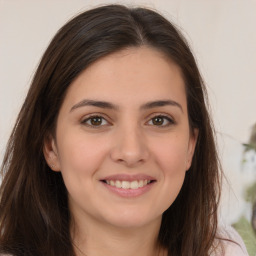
{"x":246,"y":229}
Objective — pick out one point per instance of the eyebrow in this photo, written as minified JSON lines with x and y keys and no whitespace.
{"x":108,"y":105}
{"x":95,"y":103}
{"x":161,"y":103}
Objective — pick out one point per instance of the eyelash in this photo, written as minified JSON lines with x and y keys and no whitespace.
{"x":170,"y":121}
{"x":91,"y":117}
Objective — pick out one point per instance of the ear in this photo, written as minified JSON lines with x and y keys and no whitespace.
{"x":191,"y":147}
{"x":51,"y":153}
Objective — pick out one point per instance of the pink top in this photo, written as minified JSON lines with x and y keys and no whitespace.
{"x":231,"y":248}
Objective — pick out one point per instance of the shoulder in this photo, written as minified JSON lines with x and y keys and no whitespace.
{"x":232,"y":244}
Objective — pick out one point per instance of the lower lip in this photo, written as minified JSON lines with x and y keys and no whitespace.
{"x":129,"y":192}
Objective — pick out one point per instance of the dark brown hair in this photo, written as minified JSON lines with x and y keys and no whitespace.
{"x":34,"y":214}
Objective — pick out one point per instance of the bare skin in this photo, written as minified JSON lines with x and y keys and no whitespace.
{"x":141,"y":241}
{"x":123,"y":122}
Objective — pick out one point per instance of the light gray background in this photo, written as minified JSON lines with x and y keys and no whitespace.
{"x":221,"y":33}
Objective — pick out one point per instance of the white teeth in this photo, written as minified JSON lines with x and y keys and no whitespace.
{"x":134,"y":184}
{"x":118,"y":184}
{"x":141,"y":183}
{"x":127,"y":184}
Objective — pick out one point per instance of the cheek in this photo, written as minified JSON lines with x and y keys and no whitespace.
{"x":80,"y":155}
{"x":171,"y":158}
{"x":171,"y":155}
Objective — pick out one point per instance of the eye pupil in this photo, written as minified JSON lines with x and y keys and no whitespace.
{"x":96,"y":120}
{"x":158,"y":120}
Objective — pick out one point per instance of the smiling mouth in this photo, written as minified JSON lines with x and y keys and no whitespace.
{"x":124,"y":184}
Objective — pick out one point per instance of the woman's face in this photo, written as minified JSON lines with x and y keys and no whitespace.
{"x":123,"y":143}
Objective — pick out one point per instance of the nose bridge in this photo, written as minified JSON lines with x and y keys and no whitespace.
{"x":130,"y":145}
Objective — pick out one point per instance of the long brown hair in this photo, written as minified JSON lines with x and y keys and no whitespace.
{"x":34,"y":214}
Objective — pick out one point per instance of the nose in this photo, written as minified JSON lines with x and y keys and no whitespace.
{"x":130,"y":148}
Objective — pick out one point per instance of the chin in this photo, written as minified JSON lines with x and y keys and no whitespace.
{"x":127,"y":219}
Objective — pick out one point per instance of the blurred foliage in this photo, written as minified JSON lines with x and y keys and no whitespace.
{"x":250,"y":193}
{"x":249,"y":147}
{"x":244,"y":228}
{"x":252,"y":141}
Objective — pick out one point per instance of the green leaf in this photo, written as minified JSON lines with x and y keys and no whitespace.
{"x":245,"y":230}
{"x":250,"y":193}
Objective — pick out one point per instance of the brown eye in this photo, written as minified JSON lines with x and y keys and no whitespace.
{"x":95,"y":121}
{"x":158,"y":120}
{"x":161,"y":121}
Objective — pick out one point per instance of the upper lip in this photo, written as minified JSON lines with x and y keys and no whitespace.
{"x":128,"y":177}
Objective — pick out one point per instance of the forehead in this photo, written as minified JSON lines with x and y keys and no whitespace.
{"x":130,"y":75}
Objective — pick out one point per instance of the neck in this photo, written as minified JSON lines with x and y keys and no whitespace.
{"x":97,"y":239}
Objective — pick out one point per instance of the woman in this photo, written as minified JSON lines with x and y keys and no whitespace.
{"x":113,"y":151}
